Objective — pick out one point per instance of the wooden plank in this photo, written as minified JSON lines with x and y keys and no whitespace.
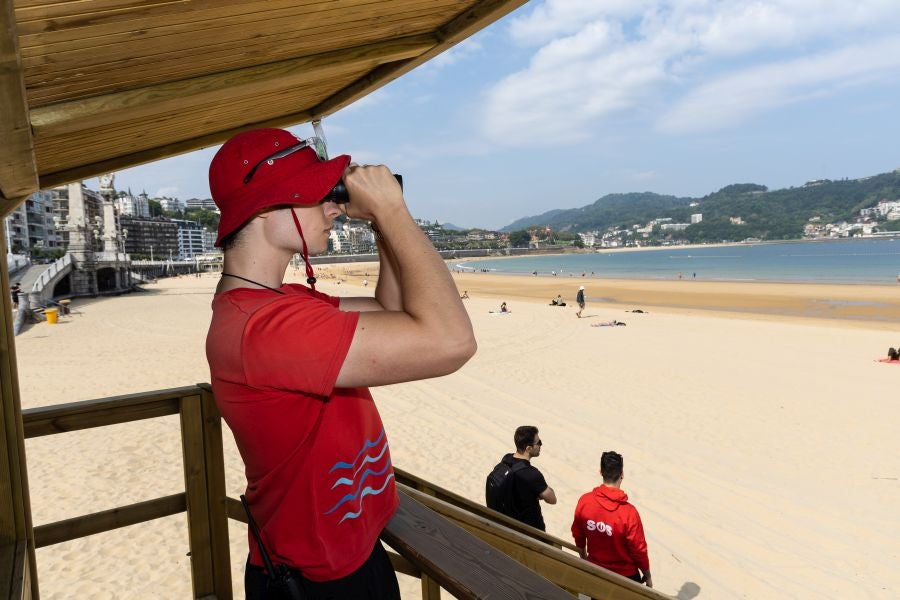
{"x":91,"y":166}
{"x":108,"y":520}
{"x":7,"y":568}
{"x":215,"y":486}
{"x":455,"y":499}
{"x":15,"y":581}
{"x":50,"y":30}
{"x":461,"y":563}
{"x":565,"y":570}
{"x":100,"y":111}
{"x":156,"y":70}
{"x":270,"y":33}
{"x":49,"y":420}
{"x":127,"y":73}
{"x":199,"y":534}
{"x":18,"y":170}
{"x":57,"y":153}
{"x":235,"y":510}
{"x":459,"y":28}
{"x":15,"y":500}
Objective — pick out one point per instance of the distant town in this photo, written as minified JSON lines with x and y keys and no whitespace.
{"x":169,"y":229}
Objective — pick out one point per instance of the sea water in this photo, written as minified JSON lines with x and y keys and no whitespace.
{"x":827,"y":261}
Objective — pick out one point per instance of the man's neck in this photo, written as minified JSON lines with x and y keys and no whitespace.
{"x":522,"y":456}
{"x":265,"y":268}
{"x":614,"y":484}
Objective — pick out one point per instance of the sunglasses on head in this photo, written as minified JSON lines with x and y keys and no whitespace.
{"x":316,"y":143}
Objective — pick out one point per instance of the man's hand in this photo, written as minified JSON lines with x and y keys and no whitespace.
{"x":648,"y":581}
{"x":373,"y":190}
{"x":582,"y":552}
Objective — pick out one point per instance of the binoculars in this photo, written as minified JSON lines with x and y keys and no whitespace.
{"x":339,"y":195}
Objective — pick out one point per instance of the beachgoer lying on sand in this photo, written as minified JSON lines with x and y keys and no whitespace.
{"x":503,"y":310}
{"x":612,"y":323}
{"x":465,"y":295}
{"x":637,"y":310}
{"x":893,"y":354}
{"x":558,"y":301}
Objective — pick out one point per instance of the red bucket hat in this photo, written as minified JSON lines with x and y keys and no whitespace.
{"x":297,"y":178}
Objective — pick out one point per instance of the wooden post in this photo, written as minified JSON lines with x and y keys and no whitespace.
{"x":215,"y":484}
{"x":18,"y":575}
{"x":199,"y":534}
{"x":430,"y":588}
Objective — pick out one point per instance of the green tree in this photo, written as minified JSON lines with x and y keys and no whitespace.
{"x":519,"y":239}
{"x":156,"y":209}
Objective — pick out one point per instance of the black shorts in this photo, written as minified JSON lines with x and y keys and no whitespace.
{"x":374,"y":580}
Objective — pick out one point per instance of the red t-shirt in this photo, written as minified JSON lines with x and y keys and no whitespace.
{"x":612,"y":530}
{"x":320,"y":483}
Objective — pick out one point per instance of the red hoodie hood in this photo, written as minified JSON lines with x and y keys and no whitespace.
{"x":610,"y":498}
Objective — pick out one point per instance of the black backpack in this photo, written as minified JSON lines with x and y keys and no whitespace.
{"x":498,"y":489}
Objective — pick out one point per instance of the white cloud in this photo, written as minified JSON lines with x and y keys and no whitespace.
{"x":564,"y":17}
{"x":167,"y":192}
{"x":736,"y":97}
{"x":466,"y":49}
{"x":598,"y":60}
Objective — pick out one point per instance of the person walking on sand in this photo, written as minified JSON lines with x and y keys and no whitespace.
{"x":579,"y":298}
{"x":524,"y":485}
{"x":608,"y":530}
{"x":291,"y":366}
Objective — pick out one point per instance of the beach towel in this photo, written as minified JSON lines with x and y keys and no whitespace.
{"x":889,"y":361}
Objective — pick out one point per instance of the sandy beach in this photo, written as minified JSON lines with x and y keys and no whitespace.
{"x":758,"y":430}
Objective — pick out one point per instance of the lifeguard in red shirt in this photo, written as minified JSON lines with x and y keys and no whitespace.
{"x":608,"y":530}
{"x":291,"y":366}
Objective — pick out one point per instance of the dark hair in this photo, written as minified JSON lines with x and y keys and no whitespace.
{"x":524,"y":437}
{"x":611,"y":464}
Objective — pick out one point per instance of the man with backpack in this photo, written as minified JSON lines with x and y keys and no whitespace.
{"x":515,"y":487}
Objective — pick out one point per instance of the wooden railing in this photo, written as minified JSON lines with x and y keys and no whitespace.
{"x":440,"y":537}
{"x":426,"y":487}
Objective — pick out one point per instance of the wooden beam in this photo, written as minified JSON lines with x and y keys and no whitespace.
{"x":199,"y":535}
{"x":456,"y":30}
{"x":455,"y":499}
{"x":60,"y":418}
{"x":100,"y":111}
{"x":18,"y":170}
{"x":462,"y":564}
{"x":215,"y":487}
{"x":15,"y":500}
{"x":108,"y":520}
{"x":562,"y":568}
{"x":165,"y":151}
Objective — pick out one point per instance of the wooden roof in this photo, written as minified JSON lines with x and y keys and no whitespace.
{"x":91,"y":86}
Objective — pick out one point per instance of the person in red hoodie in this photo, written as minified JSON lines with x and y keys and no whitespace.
{"x":608,"y":530}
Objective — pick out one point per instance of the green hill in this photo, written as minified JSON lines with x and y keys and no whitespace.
{"x":776,"y":214}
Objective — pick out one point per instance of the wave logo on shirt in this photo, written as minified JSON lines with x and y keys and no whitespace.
{"x":356,"y":473}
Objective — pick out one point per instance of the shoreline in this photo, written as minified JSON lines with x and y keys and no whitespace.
{"x":853,"y":305}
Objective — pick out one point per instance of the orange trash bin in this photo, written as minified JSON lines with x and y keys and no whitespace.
{"x":52,"y":315}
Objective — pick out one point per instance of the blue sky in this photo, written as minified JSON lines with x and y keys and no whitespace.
{"x":564,"y":101}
